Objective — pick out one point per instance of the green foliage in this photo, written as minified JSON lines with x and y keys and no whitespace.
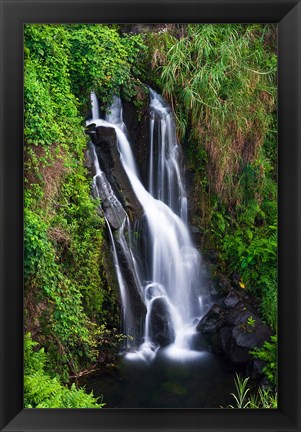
{"x":221,"y":78}
{"x":257,"y":258}
{"x":42,"y":391}
{"x":248,"y":245}
{"x":269,"y":354}
{"x":50,"y":107}
{"x":251,"y":321}
{"x":264,"y":398}
{"x":65,"y":278}
{"x":221,"y":82}
{"x":40,"y":116}
{"x":65,"y":322}
{"x":102,"y":60}
{"x":241,"y":398}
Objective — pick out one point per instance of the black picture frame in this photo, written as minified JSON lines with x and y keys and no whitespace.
{"x":14,"y":14}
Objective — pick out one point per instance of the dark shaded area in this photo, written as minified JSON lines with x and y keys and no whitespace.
{"x":203,"y":382}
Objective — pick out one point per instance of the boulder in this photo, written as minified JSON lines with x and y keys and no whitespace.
{"x":234,"y":329}
{"x":237,"y":341}
{"x":231,"y":300}
{"x":240,"y":313}
{"x":161,"y":325}
{"x":198,"y":342}
{"x":212,"y":321}
{"x":249,"y":337}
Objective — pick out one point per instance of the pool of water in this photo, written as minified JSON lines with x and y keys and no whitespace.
{"x":202,"y":380}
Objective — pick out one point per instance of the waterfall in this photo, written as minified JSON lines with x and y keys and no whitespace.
{"x":170,"y":285}
{"x":94,"y":105}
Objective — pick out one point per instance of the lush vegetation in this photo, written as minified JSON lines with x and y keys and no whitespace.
{"x":245,"y":398}
{"x":70,"y":307}
{"x":221,"y":83}
{"x":268,"y":353}
{"x":42,"y":391}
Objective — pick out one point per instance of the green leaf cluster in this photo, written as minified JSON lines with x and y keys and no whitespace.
{"x":245,"y":398}
{"x":103,"y":60}
{"x":64,"y":321}
{"x":70,"y":306}
{"x":269,"y":354}
{"x":43,"y":391}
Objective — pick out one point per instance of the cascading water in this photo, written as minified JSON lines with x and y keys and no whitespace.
{"x":165,"y":181}
{"x":170,"y":282}
{"x":94,"y":106}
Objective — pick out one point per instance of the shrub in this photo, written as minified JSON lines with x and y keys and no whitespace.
{"x":269,"y":354}
{"x":42,"y":391}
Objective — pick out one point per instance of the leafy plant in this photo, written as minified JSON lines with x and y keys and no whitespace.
{"x":241,"y":398}
{"x":268,"y":353}
{"x":43,"y":391}
{"x":264,"y":398}
{"x":103,"y":61}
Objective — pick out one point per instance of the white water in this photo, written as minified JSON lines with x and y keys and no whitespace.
{"x":174,"y":268}
{"x":94,"y":105}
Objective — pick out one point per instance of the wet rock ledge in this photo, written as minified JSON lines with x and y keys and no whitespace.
{"x":232,"y":328}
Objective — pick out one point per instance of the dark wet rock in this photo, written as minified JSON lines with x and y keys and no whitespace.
{"x":251,"y":336}
{"x":233,"y":352}
{"x":136,"y":304}
{"x":234,"y":328}
{"x":117,"y":200}
{"x":216,"y":343}
{"x":197,"y":236}
{"x":160,"y":322}
{"x":137,"y":122}
{"x":112,"y":208}
{"x":90,"y":130}
{"x":235,"y":279}
{"x":213,"y":256}
{"x":237,"y":341}
{"x":224,"y":285}
{"x":255,"y":368}
{"x":231,"y":300}
{"x":106,"y":149}
{"x":212,"y":321}
{"x":153,"y":290}
{"x":199,"y":343}
{"x":240,"y":313}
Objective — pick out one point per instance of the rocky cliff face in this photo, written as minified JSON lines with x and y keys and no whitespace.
{"x":105,"y":142}
{"x":115,"y":191}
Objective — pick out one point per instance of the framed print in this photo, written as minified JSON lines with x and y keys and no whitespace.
{"x":150,"y":217}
